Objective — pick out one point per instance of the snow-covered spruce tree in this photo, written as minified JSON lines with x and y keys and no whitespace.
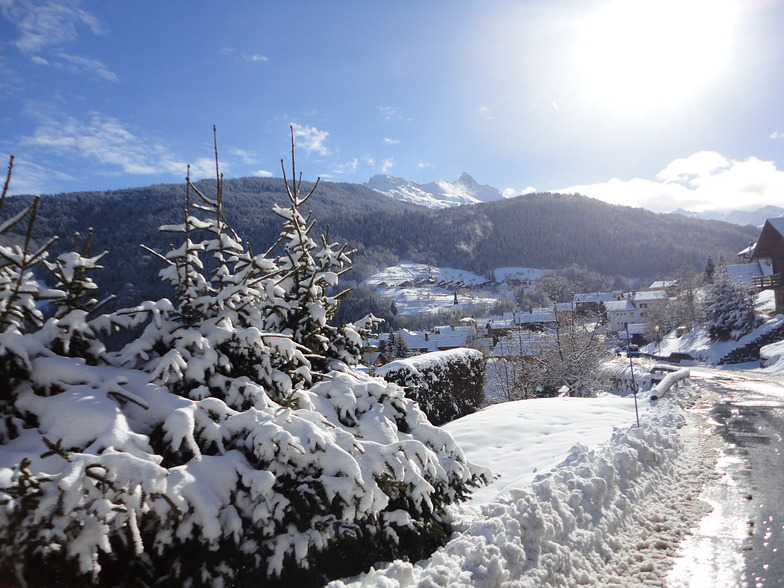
{"x":729,"y":308}
{"x":58,"y":498}
{"x":304,"y":304}
{"x":202,"y":453}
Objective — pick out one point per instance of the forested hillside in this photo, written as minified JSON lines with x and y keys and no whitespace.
{"x":554,"y":230}
{"x":539,"y":230}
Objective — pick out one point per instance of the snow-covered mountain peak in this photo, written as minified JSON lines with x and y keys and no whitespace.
{"x":439,"y":194}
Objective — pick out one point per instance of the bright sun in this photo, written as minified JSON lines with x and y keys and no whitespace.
{"x":635,"y":55}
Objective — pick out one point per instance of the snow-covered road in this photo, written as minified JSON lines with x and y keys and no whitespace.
{"x":741,"y":542}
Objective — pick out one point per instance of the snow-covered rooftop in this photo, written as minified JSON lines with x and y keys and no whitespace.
{"x":649,"y":295}
{"x":619,"y":305}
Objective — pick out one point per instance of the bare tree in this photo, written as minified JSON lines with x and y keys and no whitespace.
{"x":567,"y":358}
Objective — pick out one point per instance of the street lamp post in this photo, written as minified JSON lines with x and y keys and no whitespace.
{"x":656,"y":331}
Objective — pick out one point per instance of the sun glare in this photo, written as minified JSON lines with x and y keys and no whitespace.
{"x":635,"y":55}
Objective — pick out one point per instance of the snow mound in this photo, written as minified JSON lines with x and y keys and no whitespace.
{"x":566,"y":526}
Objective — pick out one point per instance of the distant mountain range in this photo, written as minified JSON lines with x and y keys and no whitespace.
{"x":440,"y":194}
{"x":535,"y":231}
{"x":755,"y":218}
{"x":466,"y":190}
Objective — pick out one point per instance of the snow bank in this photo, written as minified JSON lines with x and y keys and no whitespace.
{"x":698,"y":344}
{"x":565,"y":527}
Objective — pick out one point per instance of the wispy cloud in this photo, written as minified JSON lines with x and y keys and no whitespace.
{"x":310,"y":139}
{"x":109,"y":142}
{"x":424,"y":164}
{"x":705,"y":180}
{"x":388,"y":141}
{"x":777,"y":135}
{"x":486,"y":114}
{"x":31,"y":178}
{"x":88,"y":66}
{"x":244,"y":156}
{"x":249,"y":57}
{"x":391,"y":113}
{"x":42,"y":25}
{"x":45,"y":28}
{"x":348,"y":167}
{"x":387,"y":165}
{"x":388,"y":112}
{"x":263,"y":173}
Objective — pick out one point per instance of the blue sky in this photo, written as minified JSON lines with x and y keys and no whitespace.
{"x":661,"y":104}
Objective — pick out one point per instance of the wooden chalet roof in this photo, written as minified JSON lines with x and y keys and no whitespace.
{"x":770,"y":239}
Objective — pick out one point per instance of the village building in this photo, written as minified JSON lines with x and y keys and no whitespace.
{"x":592,"y":304}
{"x":770,"y":246}
{"x":634,"y":309}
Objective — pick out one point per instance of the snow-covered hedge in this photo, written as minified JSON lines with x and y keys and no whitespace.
{"x":445,"y":384}
{"x":230,"y":442}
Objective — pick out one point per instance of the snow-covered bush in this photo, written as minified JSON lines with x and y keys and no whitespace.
{"x":218,"y":446}
{"x":445,"y":384}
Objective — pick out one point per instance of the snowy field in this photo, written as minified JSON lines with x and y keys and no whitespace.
{"x":417,"y":288}
{"x":517,"y":440}
{"x":409,"y":272}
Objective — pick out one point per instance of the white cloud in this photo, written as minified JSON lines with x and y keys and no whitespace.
{"x":701,"y":182}
{"x":777,"y":135}
{"x":31,"y":178}
{"x":310,"y":139}
{"x":48,"y":24}
{"x":106,"y":140}
{"x":88,"y":66}
{"x":245,"y":157}
{"x":392,"y":113}
{"x":424,"y":164}
{"x":263,"y":173}
{"x":693,"y":167}
{"x":512,"y":192}
{"x":388,"y":141}
{"x":389,"y":112}
{"x":485,"y":112}
{"x":44,"y":26}
{"x":348,"y":167}
{"x":387,"y":165}
{"x":251,"y":58}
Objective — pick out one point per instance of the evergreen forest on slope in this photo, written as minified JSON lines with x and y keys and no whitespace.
{"x":538,"y":230}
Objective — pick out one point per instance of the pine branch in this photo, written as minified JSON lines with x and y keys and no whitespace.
{"x":7,"y":181}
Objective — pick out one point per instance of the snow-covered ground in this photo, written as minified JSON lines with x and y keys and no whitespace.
{"x":418,"y":288}
{"x":702,"y":349}
{"x":582,"y":495}
{"x":569,"y":472}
